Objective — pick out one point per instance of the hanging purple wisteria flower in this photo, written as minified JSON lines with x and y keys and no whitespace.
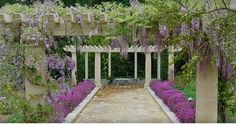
{"x":55,"y":63}
{"x":79,"y":19}
{"x":163,"y":30}
{"x":195,"y":24}
{"x":184,"y":29}
{"x":114,"y":43}
{"x":59,"y":68}
{"x":70,"y":64}
{"x":228,"y":71}
{"x":143,"y":36}
{"x":177,"y":30}
{"x":2,"y":49}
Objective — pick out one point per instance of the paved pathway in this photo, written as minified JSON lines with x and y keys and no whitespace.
{"x":117,"y":105}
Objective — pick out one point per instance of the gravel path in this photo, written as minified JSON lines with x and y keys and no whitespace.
{"x":122,"y":105}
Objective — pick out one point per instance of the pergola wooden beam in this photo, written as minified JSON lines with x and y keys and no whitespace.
{"x":66,"y":26}
{"x":107,"y":49}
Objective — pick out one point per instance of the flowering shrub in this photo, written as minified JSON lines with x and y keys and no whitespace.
{"x":175,"y":100}
{"x":65,"y":102}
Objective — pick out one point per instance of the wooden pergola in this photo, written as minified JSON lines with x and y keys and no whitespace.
{"x":206,"y":82}
{"x":133,"y":49}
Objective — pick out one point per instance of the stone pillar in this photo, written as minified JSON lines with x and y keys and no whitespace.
{"x":74,"y":58}
{"x":148,"y":68}
{"x":158,"y":66}
{"x":86,"y":65}
{"x":206,"y":94}
{"x":171,"y":66}
{"x":135,"y":65}
{"x":97,"y":69}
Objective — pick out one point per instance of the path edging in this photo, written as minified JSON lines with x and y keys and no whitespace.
{"x":171,"y":115}
{"x":74,"y":114}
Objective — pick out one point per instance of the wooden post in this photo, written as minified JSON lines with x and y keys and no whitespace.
{"x":97,"y":68}
{"x":159,"y":66}
{"x":148,"y":68}
{"x":32,"y":90}
{"x":86,"y":65}
{"x":109,"y":64}
{"x":171,"y":66}
{"x":135,"y":65}
{"x":74,"y":58}
{"x":206,"y":96}
{"x":207,"y":79}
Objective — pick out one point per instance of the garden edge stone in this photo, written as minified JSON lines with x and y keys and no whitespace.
{"x":171,"y":115}
{"x":74,"y":114}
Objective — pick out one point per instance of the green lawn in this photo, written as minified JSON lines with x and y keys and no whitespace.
{"x":189,"y":90}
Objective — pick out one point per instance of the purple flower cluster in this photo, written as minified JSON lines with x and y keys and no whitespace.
{"x":70,"y":64}
{"x":186,"y":115}
{"x":160,"y":87}
{"x":228,"y":71}
{"x":175,"y":100}
{"x":163,"y":30}
{"x":2,"y":49}
{"x":57,"y":63}
{"x":65,"y":102}
{"x":195,"y":24}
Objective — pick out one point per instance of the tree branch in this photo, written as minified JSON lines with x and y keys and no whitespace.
{"x":223,"y":1}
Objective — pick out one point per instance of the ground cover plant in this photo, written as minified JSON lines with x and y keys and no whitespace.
{"x":65,"y":102}
{"x":176,"y":100}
